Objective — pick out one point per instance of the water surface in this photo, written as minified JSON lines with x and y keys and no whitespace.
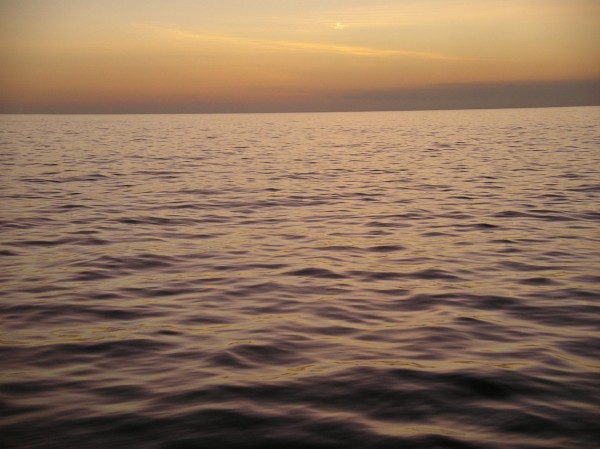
{"x":352,"y":280}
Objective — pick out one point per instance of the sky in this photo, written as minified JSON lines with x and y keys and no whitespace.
{"x":193,"y":56}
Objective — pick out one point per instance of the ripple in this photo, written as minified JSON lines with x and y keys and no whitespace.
{"x":369,"y":280}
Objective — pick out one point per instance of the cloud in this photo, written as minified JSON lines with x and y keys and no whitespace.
{"x":339,"y":26}
{"x":309,"y":47}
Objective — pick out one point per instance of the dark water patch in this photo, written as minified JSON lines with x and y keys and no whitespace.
{"x":136,"y":313}
{"x":414,"y":214}
{"x":552,"y":196}
{"x":433,"y":273}
{"x":152,"y":173}
{"x":378,"y":275}
{"x":158,"y":221}
{"x":594,"y":216}
{"x":444,"y":337}
{"x":426,"y":274}
{"x":144,"y":261}
{"x":340,"y":248}
{"x":521,"y":266}
{"x":103,"y":295}
{"x":72,"y":354}
{"x":538,"y":281}
{"x":380,"y":232}
{"x":77,"y":313}
{"x":381,"y":224}
{"x":85,"y":178}
{"x":334,"y":330}
{"x":259,"y":288}
{"x":109,"y":349}
{"x":391,"y":291}
{"x":486,"y":331}
{"x":120,"y":393}
{"x":230,"y":361}
{"x":261,"y":355}
{"x":266,"y":266}
{"x":168,"y":332}
{"x":436,"y":234}
{"x":85,"y":232}
{"x":385,"y":248}
{"x":422,"y":301}
{"x":585,"y":348}
{"x":42,"y":180}
{"x":183,"y":206}
{"x":212,"y":219}
{"x":464,"y":197}
{"x":584,"y":317}
{"x":555,"y":217}
{"x":572,"y":293}
{"x":43,"y":243}
{"x":457,"y":216}
{"x":206,"y":319}
{"x":316,"y":273}
{"x":324,"y":290}
{"x":94,"y":275}
{"x":225,"y":268}
{"x":12,"y":389}
{"x":484,"y":388}
{"x":188,"y":236}
{"x":200,"y":192}
{"x":205,"y":280}
{"x":39,"y":287}
{"x":557,"y":254}
{"x":8,"y":253}
{"x":90,"y":241}
{"x":586,"y":188}
{"x":592,"y":279}
{"x":74,"y":206}
{"x":25,"y":223}
{"x":158,"y":292}
{"x":483,"y":226}
{"x":512,"y":214}
{"x":339,"y":312}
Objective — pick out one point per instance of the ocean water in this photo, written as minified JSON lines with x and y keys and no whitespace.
{"x":339,"y":280}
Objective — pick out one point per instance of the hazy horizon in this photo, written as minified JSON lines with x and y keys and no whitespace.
{"x":281,"y":56}
{"x":586,"y":95}
{"x":291,"y":112}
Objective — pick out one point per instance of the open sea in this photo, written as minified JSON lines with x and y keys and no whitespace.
{"x":330,"y":280}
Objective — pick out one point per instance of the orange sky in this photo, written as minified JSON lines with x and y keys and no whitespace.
{"x":271,"y":55}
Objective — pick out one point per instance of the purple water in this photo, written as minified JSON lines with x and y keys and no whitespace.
{"x":341,"y":280}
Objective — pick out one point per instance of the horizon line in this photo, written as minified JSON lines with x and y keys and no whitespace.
{"x":333,"y":111}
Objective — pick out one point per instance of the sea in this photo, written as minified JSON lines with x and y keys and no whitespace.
{"x":425,"y":280}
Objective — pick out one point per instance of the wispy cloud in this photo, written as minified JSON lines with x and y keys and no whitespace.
{"x":309,"y":47}
{"x":360,"y":51}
